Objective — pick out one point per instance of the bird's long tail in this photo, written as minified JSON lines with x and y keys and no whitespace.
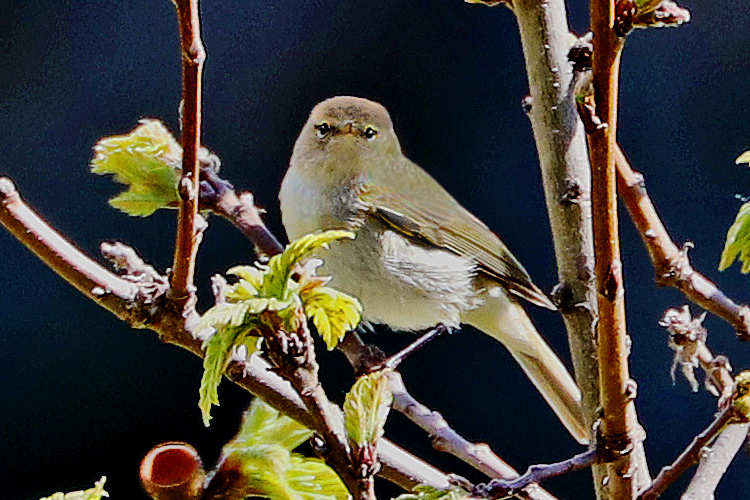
{"x":504,"y":319}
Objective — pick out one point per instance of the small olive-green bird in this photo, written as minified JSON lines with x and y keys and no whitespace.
{"x":419,"y":259}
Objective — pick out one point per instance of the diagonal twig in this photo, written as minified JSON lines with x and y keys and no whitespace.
{"x":671,"y":263}
{"x":690,"y":455}
{"x":139,"y":307}
{"x":444,"y":438}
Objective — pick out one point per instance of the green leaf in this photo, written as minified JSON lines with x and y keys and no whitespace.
{"x":95,"y":493}
{"x":264,"y":424}
{"x":215,"y":361}
{"x":737,"y":245}
{"x":281,"y":266}
{"x":366,"y":408}
{"x":262,"y":448}
{"x":425,"y":492}
{"x":334,"y":313}
{"x":312,"y":479}
{"x":147,"y":160}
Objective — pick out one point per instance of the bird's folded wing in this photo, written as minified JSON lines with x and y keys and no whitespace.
{"x":452,"y":227}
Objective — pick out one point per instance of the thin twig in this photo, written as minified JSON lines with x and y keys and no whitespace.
{"x":619,"y":426}
{"x":363,"y":357}
{"x":689,"y":456}
{"x":688,"y":338}
{"x":193,"y":55}
{"x":132,"y":303}
{"x":219,"y":196}
{"x":671,"y":264}
{"x":714,"y":464}
{"x":499,"y":488}
{"x":445,"y":439}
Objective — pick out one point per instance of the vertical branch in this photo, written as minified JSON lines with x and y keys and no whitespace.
{"x":193,"y":55}
{"x":561,"y":144}
{"x":563,"y":159}
{"x":619,"y":425}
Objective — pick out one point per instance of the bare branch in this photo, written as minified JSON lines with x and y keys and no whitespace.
{"x":715,"y":462}
{"x":671,"y":263}
{"x":219,"y":196}
{"x":499,"y":488}
{"x":689,"y":456}
{"x":193,"y":55}
{"x":132,"y":304}
{"x":444,"y":438}
{"x":561,"y":145}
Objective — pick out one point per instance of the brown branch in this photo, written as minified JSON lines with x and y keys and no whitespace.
{"x":688,"y":339}
{"x":193,"y":55}
{"x":561,"y":146}
{"x":689,"y":456}
{"x":498,"y":488}
{"x":87,"y":276}
{"x":447,"y":440}
{"x":219,"y":196}
{"x":293,"y":355}
{"x":144,"y":306}
{"x":619,"y":425}
{"x":671,"y":263}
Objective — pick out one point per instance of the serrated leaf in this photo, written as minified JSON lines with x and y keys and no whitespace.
{"x":334,"y":313}
{"x":737,"y":245}
{"x":147,"y":160}
{"x":366,"y":408}
{"x":218,"y":348}
{"x":95,"y":493}
{"x":426,"y":492}
{"x":281,"y":266}
{"x":264,"y":424}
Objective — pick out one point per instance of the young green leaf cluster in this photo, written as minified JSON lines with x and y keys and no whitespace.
{"x":273,"y":297}
{"x":95,"y":493}
{"x":262,"y":453}
{"x":737,"y":245}
{"x":366,"y":408}
{"x":148,"y":161}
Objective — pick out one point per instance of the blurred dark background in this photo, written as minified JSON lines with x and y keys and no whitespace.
{"x":84,"y":396}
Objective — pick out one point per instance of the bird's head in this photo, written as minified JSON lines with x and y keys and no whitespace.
{"x":343,"y":137}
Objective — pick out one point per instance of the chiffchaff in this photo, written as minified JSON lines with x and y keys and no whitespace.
{"x":419,"y":258}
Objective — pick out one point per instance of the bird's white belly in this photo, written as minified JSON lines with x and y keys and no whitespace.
{"x":406,"y":286}
{"x":399,"y":282}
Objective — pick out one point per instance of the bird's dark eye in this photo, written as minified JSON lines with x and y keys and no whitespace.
{"x":370,"y":133}
{"x":322,"y":129}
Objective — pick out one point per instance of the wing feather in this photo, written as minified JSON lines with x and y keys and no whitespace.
{"x":454,"y":228}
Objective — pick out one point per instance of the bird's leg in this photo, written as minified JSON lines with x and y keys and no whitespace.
{"x":393,"y":361}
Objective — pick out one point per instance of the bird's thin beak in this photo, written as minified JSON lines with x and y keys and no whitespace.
{"x":348,"y":128}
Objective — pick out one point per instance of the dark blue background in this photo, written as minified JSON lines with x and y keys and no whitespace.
{"x":83,"y":395}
